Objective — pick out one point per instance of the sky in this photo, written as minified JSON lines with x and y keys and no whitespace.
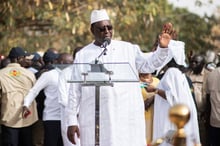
{"x":206,"y":8}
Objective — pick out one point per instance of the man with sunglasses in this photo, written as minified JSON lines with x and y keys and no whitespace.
{"x":122,"y":119}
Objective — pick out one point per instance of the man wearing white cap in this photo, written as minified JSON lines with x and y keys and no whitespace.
{"x":122,"y":121}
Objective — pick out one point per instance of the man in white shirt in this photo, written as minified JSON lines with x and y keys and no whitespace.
{"x":63,"y":88}
{"x":51,"y":113}
{"x":122,"y":121}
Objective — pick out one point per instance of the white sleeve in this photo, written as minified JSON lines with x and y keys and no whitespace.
{"x":41,"y":83}
{"x":158,"y":58}
{"x":63,"y":89}
{"x":74,"y":96}
{"x":150,"y":63}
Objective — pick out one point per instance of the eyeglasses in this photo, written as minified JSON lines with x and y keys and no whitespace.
{"x":103,"y":29}
{"x":196,"y":62}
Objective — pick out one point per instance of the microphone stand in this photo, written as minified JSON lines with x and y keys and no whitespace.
{"x":105,"y":43}
{"x":102,"y":53}
{"x":99,"y":68}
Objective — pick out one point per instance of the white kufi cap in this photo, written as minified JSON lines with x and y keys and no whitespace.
{"x":98,"y":15}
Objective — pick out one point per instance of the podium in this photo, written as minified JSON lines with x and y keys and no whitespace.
{"x":101,"y":74}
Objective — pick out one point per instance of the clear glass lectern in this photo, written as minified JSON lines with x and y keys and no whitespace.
{"x":101,"y":74}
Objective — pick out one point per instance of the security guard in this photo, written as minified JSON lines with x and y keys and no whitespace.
{"x":15,"y":82}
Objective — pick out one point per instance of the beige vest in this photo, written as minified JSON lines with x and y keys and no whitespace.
{"x":15,"y":82}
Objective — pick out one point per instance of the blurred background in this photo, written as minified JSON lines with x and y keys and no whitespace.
{"x":37,"y":25}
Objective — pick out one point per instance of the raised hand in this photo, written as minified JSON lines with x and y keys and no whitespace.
{"x":168,"y":28}
{"x":167,"y":34}
{"x":164,"y":40}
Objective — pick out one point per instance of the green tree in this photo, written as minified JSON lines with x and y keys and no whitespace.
{"x":64,"y":24}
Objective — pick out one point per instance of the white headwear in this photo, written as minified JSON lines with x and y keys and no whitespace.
{"x":98,"y":15}
{"x":177,"y":52}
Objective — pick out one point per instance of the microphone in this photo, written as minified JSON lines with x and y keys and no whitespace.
{"x":106,"y":42}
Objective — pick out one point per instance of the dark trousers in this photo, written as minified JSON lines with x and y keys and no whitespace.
{"x":52,"y":133}
{"x":38,"y":133}
{"x":16,"y":136}
{"x":214,"y":136}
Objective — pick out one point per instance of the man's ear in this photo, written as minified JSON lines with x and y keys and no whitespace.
{"x":92,"y":29}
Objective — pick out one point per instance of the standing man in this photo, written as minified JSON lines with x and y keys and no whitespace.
{"x":48,"y":82}
{"x":63,"y":89}
{"x":15,"y":82}
{"x":122,"y":120}
{"x":49,"y":58}
{"x":198,"y":75}
{"x":213,"y":94}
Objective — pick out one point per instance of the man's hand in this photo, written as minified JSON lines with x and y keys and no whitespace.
{"x":150,"y":88}
{"x":71,"y":131}
{"x":148,"y":102}
{"x":25,"y":112}
{"x":168,"y":28}
{"x":164,"y":40}
{"x":167,"y":34}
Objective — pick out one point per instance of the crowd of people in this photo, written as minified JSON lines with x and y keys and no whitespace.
{"x":39,"y":107}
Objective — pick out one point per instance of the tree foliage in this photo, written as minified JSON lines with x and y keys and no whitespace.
{"x":65,"y":24}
